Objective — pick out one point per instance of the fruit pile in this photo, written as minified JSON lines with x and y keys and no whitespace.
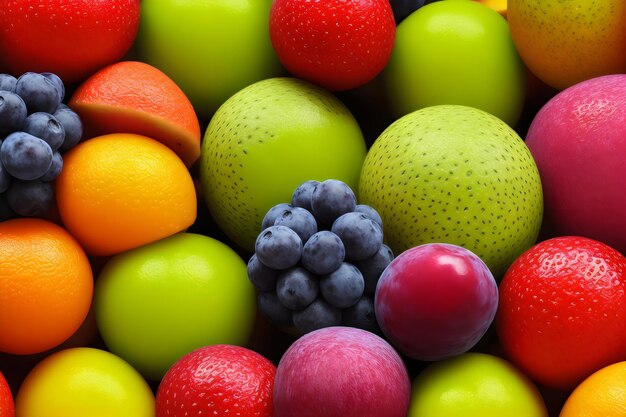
{"x":318,"y":259}
{"x":390,"y":208}
{"x":35,"y":129}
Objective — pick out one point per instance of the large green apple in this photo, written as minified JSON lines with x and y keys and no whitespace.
{"x":456,"y":52}
{"x":459,"y":175}
{"x":210,"y":48}
{"x":475,"y":385}
{"x":160,"y":301}
{"x":266,"y":140}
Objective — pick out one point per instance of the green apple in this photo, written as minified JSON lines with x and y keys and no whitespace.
{"x":474,"y":385}
{"x":266,"y":140}
{"x":456,"y":52}
{"x":210,"y":48}
{"x":81,"y":382}
{"x":158,"y":302}
{"x":459,"y":175}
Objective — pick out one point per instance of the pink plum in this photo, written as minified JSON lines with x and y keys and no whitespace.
{"x":341,"y":372}
{"x":578,"y":140}
{"x":435,"y":301}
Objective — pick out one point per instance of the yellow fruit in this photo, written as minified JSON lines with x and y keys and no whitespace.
{"x":83,"y":382}
{"x":602,"y":394}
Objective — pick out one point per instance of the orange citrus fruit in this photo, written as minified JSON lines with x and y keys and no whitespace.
{"x":46,"y":285}
{"x":602,"y":394}
{"x":134,"y":97}
{"x":120,"y":191}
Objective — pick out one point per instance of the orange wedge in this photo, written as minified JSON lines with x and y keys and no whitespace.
{"x":134,"y":97}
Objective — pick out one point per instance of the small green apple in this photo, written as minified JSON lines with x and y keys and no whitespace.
{"x":456,"y":52}
{"x":210,"y":48}
{"x":475,"y":385}
{"x":160,"y":301}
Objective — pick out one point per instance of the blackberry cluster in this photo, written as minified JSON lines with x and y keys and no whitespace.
{"x":35,"y":129}
{"x":318,"y":259}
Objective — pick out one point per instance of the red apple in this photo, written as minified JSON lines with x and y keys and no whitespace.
{"x":217,"y":380}
{"x":577,"y":141}
{"x":341,"y":372}
{"x":435,"y":301}
{"x":337,"y":44}
{"x":7,"y":407}
{"x":71,"y":38}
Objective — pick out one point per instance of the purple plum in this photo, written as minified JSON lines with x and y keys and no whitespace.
{"x":435,"y":301}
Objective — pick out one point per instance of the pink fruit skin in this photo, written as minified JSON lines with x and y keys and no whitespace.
{"x":578,"y":140}
{"x":435,"y":301}
{"x":341,"y":372}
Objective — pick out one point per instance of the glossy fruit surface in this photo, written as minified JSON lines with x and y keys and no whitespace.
{"x":363,"y":367}
{"x":475,"y":385}
{"x":561,"y":309}
{"x":577,"y":141}
{"x":265,"y":141}
{"x":134,"y":97}
{"x":36,"y":36}
{"x":218,"y":380}
{"x":82,"y":382}
{"x":337,"y":44}
{"x":158,"y":302}
{"x":211,"y":49}
{"x":455,"y":52}
{"x":120,"y":191}
{"x":46,"y":285}
{"x":435,"y":301}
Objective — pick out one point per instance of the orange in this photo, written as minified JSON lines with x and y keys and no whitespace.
{"x":46,"y":285}
{"x":134,"y":97}
{"x":602,"y":394}
{"x":120,"y":191}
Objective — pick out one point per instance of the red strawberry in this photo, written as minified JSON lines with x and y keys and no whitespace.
{"x":217,"y":380}
{"x":71,"y":38}
{"x":562,"y":310}
{"x":7,"y":408}
{"x":338,"y":44}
